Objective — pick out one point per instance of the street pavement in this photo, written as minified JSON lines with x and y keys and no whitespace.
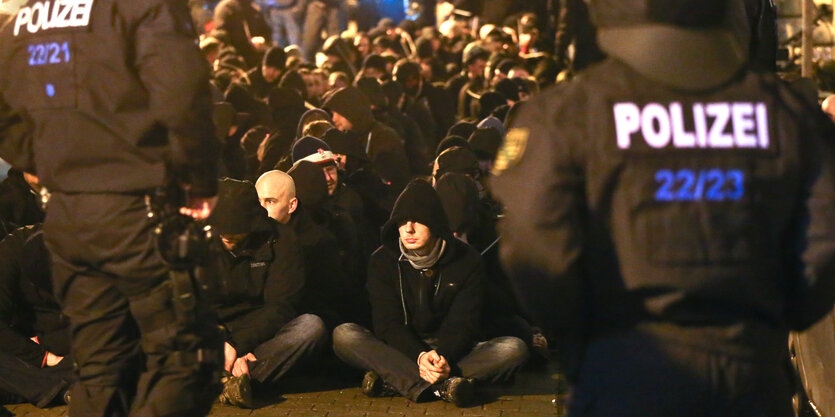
{"x":529,"y":394}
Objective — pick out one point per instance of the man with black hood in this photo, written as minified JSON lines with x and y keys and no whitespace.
{"x":426,"y":292}
{"x":351,"y":112}
{"x":422,"y":95}
{"x":261,"y":279}
{"x":668,"y":299}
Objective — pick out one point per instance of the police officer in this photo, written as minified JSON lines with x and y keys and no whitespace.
{"x":106,"y":100}
{"x":669,"y":214}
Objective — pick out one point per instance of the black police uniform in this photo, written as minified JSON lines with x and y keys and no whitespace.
{"x":105,"y":100}
{"x":671,"y":237}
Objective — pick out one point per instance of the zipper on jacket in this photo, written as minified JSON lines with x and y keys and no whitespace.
{"x":402,"y":296}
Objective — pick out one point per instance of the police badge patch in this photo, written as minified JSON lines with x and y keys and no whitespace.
{"x":512,"y":151}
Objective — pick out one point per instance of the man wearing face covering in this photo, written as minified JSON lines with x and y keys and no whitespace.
{"x":669,"y":218}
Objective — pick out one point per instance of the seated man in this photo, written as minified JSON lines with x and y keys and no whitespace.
{"x":328,"y":293}
{"x":261,"y":276}
{"x":35,"y":335}
{"x":426,"y":291}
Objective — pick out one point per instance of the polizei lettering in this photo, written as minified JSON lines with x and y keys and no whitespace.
{"x":55,"y":14}
{"x":737,"y":125}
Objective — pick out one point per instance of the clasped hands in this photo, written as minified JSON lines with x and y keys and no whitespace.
{"x":433,"y":367}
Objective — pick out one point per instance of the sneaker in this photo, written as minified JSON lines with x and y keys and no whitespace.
{"x":456,"y":390}
{"x":237,"y":391}
{"x":373,"y":386}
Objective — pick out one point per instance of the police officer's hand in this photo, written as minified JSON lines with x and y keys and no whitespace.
{"x":53,"y":359}
{"x":229,"y":355}
{"x":259,"y":43}
{"x":199,"y":208}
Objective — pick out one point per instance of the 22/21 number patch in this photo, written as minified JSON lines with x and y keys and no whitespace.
{"x":702,"y":185}
{"x":49,"y":53}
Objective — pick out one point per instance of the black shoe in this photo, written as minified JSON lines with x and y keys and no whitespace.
{"x":237,"y":391}
{"x":456,"y":390}
{"x":373,"y":386}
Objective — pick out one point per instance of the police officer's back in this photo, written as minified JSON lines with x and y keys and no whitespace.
{"x":669,"y":214}
{"x":106,"y":100}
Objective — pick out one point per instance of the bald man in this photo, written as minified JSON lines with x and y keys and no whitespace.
{"x":328,"y":292}
{"x":277,"y":193}
{"x":828,"y":106}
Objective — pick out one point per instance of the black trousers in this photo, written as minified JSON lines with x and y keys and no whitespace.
{"x":635,"y":375}
{"x":38,"y":386}
{"x":115,"y":288}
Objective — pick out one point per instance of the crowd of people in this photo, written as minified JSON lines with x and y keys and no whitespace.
{"x":354,"y":213}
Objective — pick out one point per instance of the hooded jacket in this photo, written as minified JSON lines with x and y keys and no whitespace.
{"x":383,"y":146}
{"x":262,"y":279}
{"x":443,"y":303}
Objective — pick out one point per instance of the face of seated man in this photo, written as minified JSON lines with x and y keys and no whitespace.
{"x":277,"y":194}
{"x":416,"y":236}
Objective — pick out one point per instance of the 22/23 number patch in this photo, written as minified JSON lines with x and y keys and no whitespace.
{"x":701,"y":185}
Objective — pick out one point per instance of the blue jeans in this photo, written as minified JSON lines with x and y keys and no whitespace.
{"x":300,"y":339}
{"x":491,"y":361}
{"x":284,"y":26}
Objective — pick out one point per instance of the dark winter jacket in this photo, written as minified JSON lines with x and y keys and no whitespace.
{"x":442,"y":304}
{"x":328,"y":292}
{"x":27,"y":305}
{"x":261,"y":280}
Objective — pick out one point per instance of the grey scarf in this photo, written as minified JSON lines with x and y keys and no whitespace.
{"x":424,"y":261}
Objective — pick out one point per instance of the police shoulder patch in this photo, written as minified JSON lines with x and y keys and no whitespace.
{"x":513,"y":149}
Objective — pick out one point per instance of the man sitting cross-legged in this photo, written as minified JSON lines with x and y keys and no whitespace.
{"x":261,"y":275}
{"x":426,"y":292}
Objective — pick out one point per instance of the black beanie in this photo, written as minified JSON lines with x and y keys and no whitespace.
{"x":311,"y":185}
{"x":275,"y":58}
{"x":457,"y":159}
{"x":459,"y":196}
{"x":489,"y":101}
{"x":485,"y":142}
{"x":374,"y":91}
{"x":463,"y":129}
{"x":294,"y":81}
{"x":345,"y":144}
{"x":393,"y":91}
{"x":311,"y":149}
{"x":509,"y":89}
{"x":238,"y":210}
{"x":310,"y":116}
{"x":375,"y":61}
{"x":451,"y":142}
